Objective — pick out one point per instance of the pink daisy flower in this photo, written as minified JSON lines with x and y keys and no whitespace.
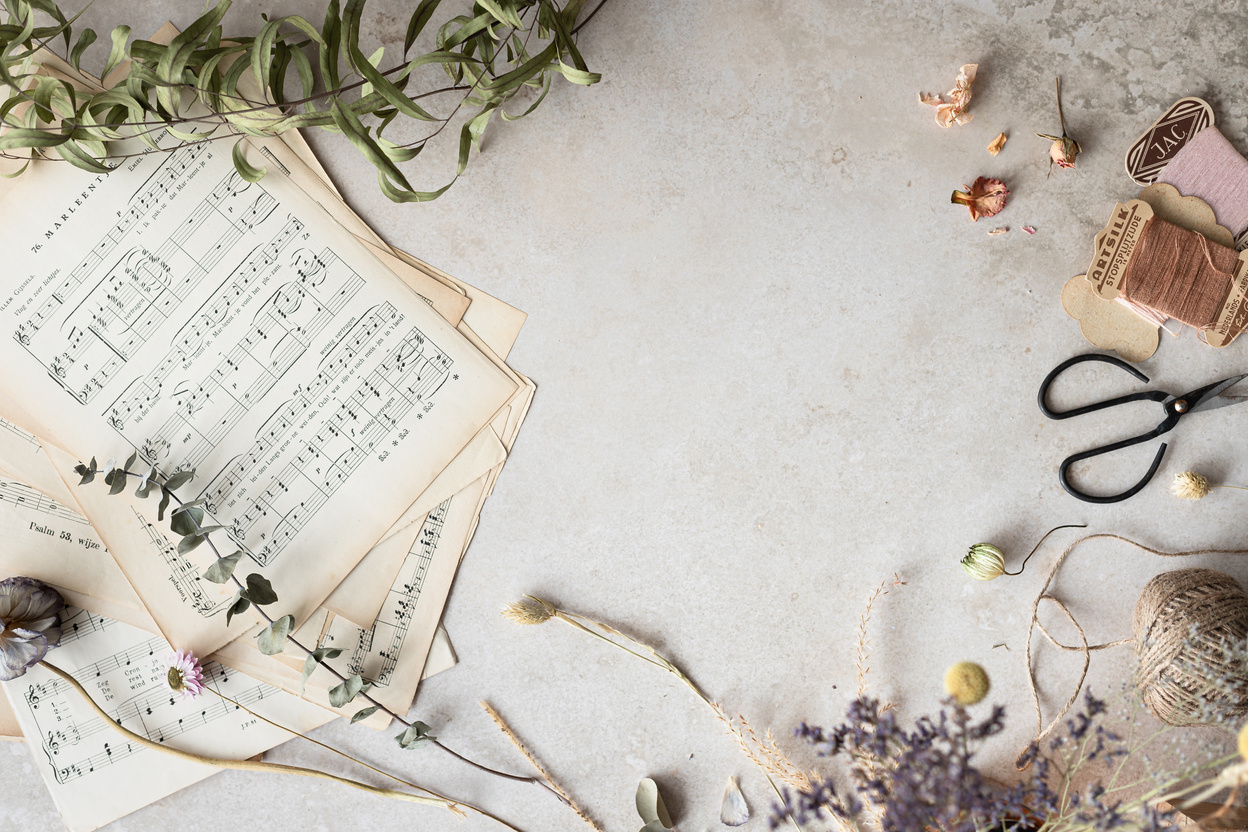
{"x":186,"y":674}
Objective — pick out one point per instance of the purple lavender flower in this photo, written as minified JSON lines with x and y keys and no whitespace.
{"x":31,"y":626}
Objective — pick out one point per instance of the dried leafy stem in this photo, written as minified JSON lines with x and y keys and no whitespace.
{"x":247,"y":87}
{"x":186,"y":520}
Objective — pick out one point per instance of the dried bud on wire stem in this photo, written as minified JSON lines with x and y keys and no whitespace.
{"x":983,"y":561}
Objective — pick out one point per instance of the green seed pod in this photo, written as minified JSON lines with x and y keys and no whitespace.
{"x":983,"y":562}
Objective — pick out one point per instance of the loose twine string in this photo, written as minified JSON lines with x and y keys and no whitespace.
{"x":1084,"y":647}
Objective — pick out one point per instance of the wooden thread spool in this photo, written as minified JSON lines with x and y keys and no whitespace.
{"x":1182,"y":623}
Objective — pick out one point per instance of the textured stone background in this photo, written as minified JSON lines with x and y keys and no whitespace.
{"x":775,"y":367}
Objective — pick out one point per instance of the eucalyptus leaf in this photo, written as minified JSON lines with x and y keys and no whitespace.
{"x":314,"y":658}
{"x":415,"y":735}
{"x":117,"y":479}
{"x":650,"y":805}
{"x":87,"y":472}
{"x":164,"y":504}
{"x":187,"y":521}
{"x":364,"y":713}
{"x":179,"y":479}
{"x":221,"y":571}
{"x":260,"y":590}
{"x":341,"y":695}
{"x":240,"y":605}
{"x":272,"y":639}
{"x":189,"y":543}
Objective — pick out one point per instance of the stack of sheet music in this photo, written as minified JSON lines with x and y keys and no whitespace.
{"x":346,"y":409}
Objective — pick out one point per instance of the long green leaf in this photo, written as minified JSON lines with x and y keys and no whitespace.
{"x":246,"y":169}
{"x":84,"y":40}
{"x":418,"y":21}
{"x":79,"y":158}
{"x":117,"y":54}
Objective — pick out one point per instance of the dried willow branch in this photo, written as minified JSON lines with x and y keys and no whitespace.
{"x":206,"y":86}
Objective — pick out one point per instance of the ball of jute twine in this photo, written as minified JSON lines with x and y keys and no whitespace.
{"x":1167,"y":609}
{"x":1183,"y":622}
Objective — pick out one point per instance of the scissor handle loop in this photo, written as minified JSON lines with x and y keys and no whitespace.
{"x":1143,"y":396}
{"x":1115,"y":498}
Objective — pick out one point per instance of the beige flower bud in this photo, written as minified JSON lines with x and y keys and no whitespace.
{"x":967,"y":683}
{"x":1190,"y":486}
{"x":983,"y":562}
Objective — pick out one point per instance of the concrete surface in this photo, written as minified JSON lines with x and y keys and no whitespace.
{"x":775,"y":368}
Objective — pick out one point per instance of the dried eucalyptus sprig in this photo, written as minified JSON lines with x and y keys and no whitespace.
{"x":246,"y":84}
{"x":259,"y":591}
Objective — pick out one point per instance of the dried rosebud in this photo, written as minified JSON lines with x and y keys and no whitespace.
{"x":984,"y":198}
{"x":967,"y":683}
{"x":1064,"y":149}
{"x":29,"y":615}
{"x":983,"y":562}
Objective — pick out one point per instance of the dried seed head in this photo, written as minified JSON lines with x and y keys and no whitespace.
{"x":967,"y":683}
{"x":531,"y":610}
{"x":983,"y":562}
{"x":1190,"y":486}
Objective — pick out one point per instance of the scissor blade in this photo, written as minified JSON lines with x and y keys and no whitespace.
{"x":1217,"y":396}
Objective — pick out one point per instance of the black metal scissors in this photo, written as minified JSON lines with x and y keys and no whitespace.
{"x":1209,"y":397}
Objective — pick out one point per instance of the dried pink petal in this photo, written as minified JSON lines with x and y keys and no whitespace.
{"x":954,"y":111}
{"x":995,"y":146}
{"x":999,"y":230}
{"x":983,"y":198}
{"x":1029,"y":229}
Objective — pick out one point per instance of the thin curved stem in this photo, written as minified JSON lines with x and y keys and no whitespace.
{"x":364,"y":695}
{"x":245,"y":765}
{"x":360,"y":762}
{"x":1023,"y":565}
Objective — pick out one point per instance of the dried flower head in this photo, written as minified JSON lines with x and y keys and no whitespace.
{"x":29,"y":624}
{"x":953,"y":111}
{"x":186,"y":674}
{"x":531,"y":610}
{"x":984,"y":198}
{"x":1190,"y":486}
{"x":967,"y":683}
{"x":1064,"y":149}
{"x":983,"y":562}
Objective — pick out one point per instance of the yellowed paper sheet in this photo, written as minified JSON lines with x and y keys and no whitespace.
{"x":393,"y":651}
{"x":235,"y":328}
{"x":93,"y":773}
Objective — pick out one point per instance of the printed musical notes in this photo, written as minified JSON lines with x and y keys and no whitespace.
{"x":233,"y":327}
{"x":96,"y":774}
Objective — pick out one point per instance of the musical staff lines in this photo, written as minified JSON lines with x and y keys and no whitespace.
{"x":183,"y":574}
{"x":77,"y":743}
{"x":29,"y":439}
{"x":24,"y":497}
{"x":406,"y":376}
{"x":143,"y":288}
{"x":375,"y":653}
{"x":280,"y":333}
{"x":143,"y":201}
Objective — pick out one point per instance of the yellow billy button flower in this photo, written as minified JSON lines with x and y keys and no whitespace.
{"x":1243,"y":742}
{"x":967,"y":683}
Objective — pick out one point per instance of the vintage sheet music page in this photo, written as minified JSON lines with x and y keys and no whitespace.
{"x":93,"y":773}
{"x":174,"y":309}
